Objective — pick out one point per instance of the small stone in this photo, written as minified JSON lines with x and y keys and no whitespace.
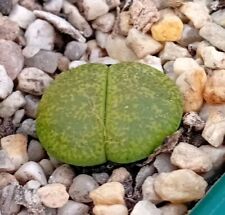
{"x":168,"y":28}
{"x":9,"y":30}
{"x":63,"y":63}
{"x":113,"y":3}
{"x":63,"y":174}
{"x":180,"y":186}
{"x":32,"y":185}
{"x":94,"y":8}
{"x":16,"y":148}
{"x":172,"y":51}
{"x":145,"y":207}
{"x":31,"y":170}
{"x":6,"y":164}
{"x":143,"y":14}
{"x":6,"y":6}
{"x":214,"y":34}
{"x":110,"y":210}
{"x":6,"y":84}
{"x":101,"y":38}
{"x":36,"y":41}
{"x":28,"y":128}
{"x":17,"y":118}
{"x":115,"y":44}
{"x":73,"y":208}
{"x":193,"y":120}
{"x":76,"y":19}
{"x":189,"y":35}
{"x":163,"y":164}
{"x":33,"y":81}
{"x":148,"y":191}
{"x":30,"y":4}
{"x":168,"y":69}
{"x":152,"y":61}
{"x":46,"y":61}
{"x":197,"y":12}
{"x":187,"y":156}
{"x":22,"y":16}
{"x":120,"y":175}
{"x":110,"y":193}
{"x":76,"y":63}
{"x":217,"y":155}
{"x":101,"y":178}
{"x":53,"y":6}
{"x":8,"y":205}
{"x":124,"y":24}
{"x":104,"y":23}
{"x":6,"y":179}
{"x":11,"y":104}
{"x":74,"y":50}
{"x":53,"y":195}
{"x":35,"y":151}
{"x":11,"y":58}
{"x":174,"y":209}
{"x":191,"y":76}
{"x":6,"y":127}
{"x":47,"y":167}
{"x":61,"y":24}
{"x":142,"y":44}
{"x":31,"y":105}
{"x":55,"y":163}
{"x":214,"y":88}
{"x":219,"y":17}
{"x":212,"y":58}
{"x":81,"y":187}
{"x":214,"y":129}
{"x":105,"y":60}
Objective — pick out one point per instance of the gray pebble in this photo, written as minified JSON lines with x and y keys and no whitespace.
{"x":47,"y":167}
{"x":6,"y":6}
{"x":44,"y":60}
{"x":162,"y":163}
{"x":31,"y":105}
{"x":35,"y":151}
{"x":74,"y":50}
{"x":73,"y":208}
{"x":28,"y":128}
{"x":6,"y":164}
{"x":101,"y":178}
{"x":81,"y":187}
{"x":32,"y":185}
{"x":18,"y":116}
{"x":215,"y":34}
{"x":63,"y":174}
{"x":11,"y":58}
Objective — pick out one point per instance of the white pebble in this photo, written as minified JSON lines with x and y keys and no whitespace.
{"x":32,"y":185}
{"x":94,"y":8}
{"x":110,"y":193}
{"x":18,"y":116}
{"x":6,"y":83}
{"x":142,"y":44}
{"x":76,"y":63}
{"x":174,"y":209}
{"x":105,"y":60}
{"x":16,"y":148}
{"x":53,"y":5}
{"x":31,"y":170}
{"x":33,"y":81}
{"x":145,"y":207}
{"x":187,"y":156}
{"x":197,"y":12}
{"x":219,"y":17}
{"x":73,"y":208}
{"x":63,"y":174}
{"x":11,"y":104}
{"x":110,"y":210}
{"x":180,"y":186}
{"x":148,"y":190}
{"x":47,"y":167}
{"x":53,"y":195}
{"x":152,"y":61}
{"x":22,"y":16}
{"x":36,"y":41}
{"x":6,"y":164}
{"x":81,"y":187}
{"x":101,"y":38}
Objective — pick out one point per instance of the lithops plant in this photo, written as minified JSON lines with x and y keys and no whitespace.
{"x":96,"y":113}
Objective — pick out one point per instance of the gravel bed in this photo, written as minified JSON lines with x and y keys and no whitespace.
{"x":41,"y":39}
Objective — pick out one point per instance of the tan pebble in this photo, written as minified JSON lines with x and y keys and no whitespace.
{"x":110,"y":210}
{"x":174,"y":209}
{"x":6,"y":179}
{"x":108,"y":194}
{"x":168,"y":28}
{"x":53,"y":195}
{"x":180,"y":186}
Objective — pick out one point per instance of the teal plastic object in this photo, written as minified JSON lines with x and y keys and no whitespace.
{"x":214,"y":201}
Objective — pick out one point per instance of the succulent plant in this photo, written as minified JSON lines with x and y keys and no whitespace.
{"x":96,"y":113}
